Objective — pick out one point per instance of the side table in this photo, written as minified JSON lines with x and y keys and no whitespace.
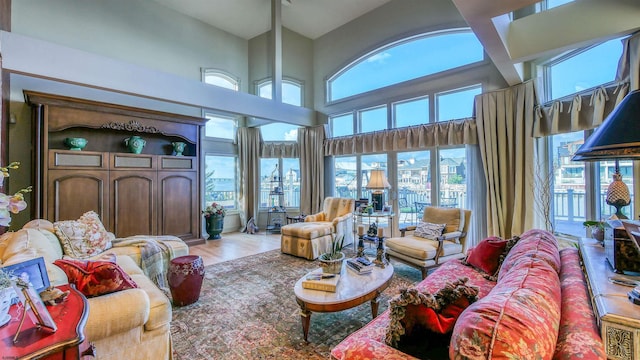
{"x":617,"y":317}
{"x":185,"y":279}
{"x":295,"y":219}
{"x":67,"y":342}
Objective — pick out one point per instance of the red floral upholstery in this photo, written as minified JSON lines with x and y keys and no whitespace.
{"x":94,"y":278}
{"x":578,"y":337}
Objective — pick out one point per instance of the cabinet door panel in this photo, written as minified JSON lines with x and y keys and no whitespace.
{"x":71,"y":193}
{"x":178,"y":204}
{"x":133,"y":203}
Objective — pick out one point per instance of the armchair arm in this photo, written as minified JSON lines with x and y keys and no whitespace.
{"x":452,"y":235}
{"x":345,"y":217}
{"x":315,"y":217}
{"x":116,"y":313}
{"x":405,"y":229}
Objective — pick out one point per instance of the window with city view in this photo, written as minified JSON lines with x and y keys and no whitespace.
{"x":579,"y":188}
{"x":287,"y":169}
{"x":220,"y":180}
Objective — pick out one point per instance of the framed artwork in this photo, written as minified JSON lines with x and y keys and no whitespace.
{"x":31,"y":271}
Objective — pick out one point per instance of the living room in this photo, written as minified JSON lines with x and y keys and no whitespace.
{"x":146,"y":54}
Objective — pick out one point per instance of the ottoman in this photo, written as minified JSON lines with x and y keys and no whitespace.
{"x":306,"y":239}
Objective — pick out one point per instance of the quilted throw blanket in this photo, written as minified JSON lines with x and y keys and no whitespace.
{"x":154,"y":256}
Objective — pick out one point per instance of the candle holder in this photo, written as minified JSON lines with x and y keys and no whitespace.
{"x":360,"y":246}
{"x":381,"y":258}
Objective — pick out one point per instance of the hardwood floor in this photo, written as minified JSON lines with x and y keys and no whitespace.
{"x":235,"y":245}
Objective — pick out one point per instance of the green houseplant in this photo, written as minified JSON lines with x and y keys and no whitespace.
{"x":596,"y":227}
{"x":331,"y":262}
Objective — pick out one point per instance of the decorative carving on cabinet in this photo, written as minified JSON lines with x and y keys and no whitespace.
{"x":133,"y":125}
{"x":619,"y":343}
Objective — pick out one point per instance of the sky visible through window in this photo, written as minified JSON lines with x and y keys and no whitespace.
{"x":406,"y":61}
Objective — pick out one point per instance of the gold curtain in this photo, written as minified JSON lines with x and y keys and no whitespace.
{"x":504,"y":119}
{"x":249,"y":147}
{"x":310,"y":140}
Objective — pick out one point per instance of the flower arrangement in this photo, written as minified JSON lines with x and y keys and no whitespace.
{"x":214,"y":209}
{"x":11,"y":204}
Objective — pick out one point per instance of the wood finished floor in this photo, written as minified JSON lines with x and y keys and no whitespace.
{"x":235,"y":245}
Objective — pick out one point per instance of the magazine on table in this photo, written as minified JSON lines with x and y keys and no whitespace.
{"x":361,"y":265}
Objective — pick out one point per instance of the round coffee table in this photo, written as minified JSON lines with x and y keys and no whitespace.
{"x":353,"y":289}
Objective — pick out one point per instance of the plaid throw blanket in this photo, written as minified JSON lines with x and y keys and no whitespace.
{"x":155,"y":256}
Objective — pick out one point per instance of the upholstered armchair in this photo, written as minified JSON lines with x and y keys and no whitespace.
{"x":338,"y":212}
{"x":439,"y":237}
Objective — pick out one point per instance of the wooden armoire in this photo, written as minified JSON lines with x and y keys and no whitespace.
{"x":151,"y":193}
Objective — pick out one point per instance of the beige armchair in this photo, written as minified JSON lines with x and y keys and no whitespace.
{"x":338,"y":212}
{"x":425,"y":253}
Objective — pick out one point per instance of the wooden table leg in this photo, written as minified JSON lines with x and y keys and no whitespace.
{"x":305,"y":317}
{"x":374,"y":307}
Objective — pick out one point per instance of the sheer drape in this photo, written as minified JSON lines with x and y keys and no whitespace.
{"x":249,"y":147}
{"x":456,"y":132}
{"x":476,"y":195}
{"x":310,"y":140}
{"x":504,"y":119}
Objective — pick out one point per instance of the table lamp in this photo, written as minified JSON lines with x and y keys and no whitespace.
{"x":618,"y":138}
{"x":377,"y":184}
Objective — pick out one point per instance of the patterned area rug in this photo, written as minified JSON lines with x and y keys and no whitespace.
{"x":247,"y":310}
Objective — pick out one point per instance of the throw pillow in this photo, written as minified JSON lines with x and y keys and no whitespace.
{"x":415,"y":312}
{"x":489,"y":254}
{"x":95,"y":278}
{"x":84,"y":237}
{"x":429,"y":230}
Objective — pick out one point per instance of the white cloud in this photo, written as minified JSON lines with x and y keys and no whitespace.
{"x":381,"y":57}
{"x":291,"y":135}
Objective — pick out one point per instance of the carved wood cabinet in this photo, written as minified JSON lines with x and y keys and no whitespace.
{"x":153,"y":192}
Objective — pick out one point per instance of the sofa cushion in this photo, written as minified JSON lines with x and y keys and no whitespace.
{"x":540,"y":244}
{"x":95,"y":278}
{"x":84,"y":237}
{"x":486,"y":255}
{"x":429,"y":230}
{"x":520,"y":317}
{"x":421,"y":248}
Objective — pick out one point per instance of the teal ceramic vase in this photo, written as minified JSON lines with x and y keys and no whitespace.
{"x":214,"y":225}
{"x":75,"y":143}
{"x":135,"y":144}
{"x":178,"y":148}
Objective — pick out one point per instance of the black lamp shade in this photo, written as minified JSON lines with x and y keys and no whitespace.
{"x":619,"y":135}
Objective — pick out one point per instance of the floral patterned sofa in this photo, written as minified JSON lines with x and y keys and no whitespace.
{"x":537,"y":309}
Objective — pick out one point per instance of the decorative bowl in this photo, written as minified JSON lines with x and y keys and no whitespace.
{"x":75,"y":143}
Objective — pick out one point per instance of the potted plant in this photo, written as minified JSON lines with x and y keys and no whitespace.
{"x":331,"y":262}
{"x":214,"y":220}
{"x":6,"y":291}
{"x":597,"y":229}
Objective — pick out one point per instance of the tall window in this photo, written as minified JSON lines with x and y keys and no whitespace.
{"x":220,"y":183}
{"x":220,"y":78}
{"x":346,"y":176}
{"x":404,"y":60}
{"x":368,"y":163}
{"x":578,"y":194}
{"x":220,"y":127}
{"x":414,"y":184}
{"x":582,"y":70}
{"x":452,"y":168}
{"x":291,"y":91}
{"x":456,"y":104}
{"x":287,"y":169}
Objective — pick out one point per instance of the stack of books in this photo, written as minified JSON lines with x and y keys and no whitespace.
{"x":321,"y":281}
{"x":361,"y":265}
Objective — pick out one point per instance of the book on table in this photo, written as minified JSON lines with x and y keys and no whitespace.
{"x":361,"y":265}
{"x":321,"y":281}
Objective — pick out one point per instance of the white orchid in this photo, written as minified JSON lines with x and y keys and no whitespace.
{"x":10,"y":204}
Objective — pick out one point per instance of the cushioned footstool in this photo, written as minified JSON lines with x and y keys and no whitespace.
{"x":306,"y":239}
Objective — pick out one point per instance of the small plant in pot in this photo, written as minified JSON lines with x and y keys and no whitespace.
{"x":597,"y":229}
{"x":331,"y":262}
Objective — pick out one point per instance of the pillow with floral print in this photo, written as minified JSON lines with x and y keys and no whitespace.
{"x":84,"y":237}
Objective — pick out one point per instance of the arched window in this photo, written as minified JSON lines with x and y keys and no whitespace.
{"x":404,"y":60}
{"x":291,"y":91}
{"x":220,"y":78}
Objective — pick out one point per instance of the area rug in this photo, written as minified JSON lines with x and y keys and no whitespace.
{"x":247,"y":310}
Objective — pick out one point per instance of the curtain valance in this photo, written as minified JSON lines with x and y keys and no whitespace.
{"x":455,"y":132}
{"x":270,"y":149}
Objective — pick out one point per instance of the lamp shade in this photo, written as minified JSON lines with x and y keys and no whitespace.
{"x":619,"y":135}
{"x":378,"y":180}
